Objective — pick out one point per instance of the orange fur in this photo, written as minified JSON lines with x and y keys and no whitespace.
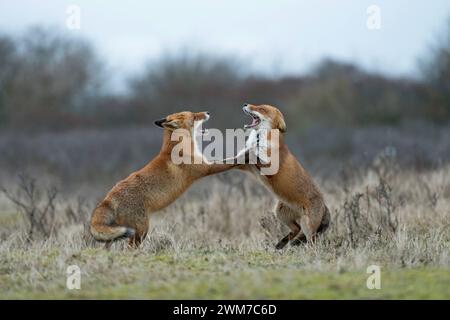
{"x":300,"y":203}
{"x":125,"y":210}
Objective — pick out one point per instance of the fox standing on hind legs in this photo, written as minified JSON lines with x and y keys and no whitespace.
{"x":300,"y":203}
{"x":124,"y":212}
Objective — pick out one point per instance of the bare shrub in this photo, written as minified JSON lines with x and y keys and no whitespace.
{"x":78,"y":213}
{"x":37,"y":206}
{"x":385,"y":164}
{"x":386,"y":207}
{"x":41,"y":211}
{"x":366,"y":216}
{"x":354,"y":220}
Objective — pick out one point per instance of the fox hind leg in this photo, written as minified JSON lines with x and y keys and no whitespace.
{"x":295,"y":230}
{"x":104,"y":228}
{"x":310,"y":225}
{"x":299,"y":239}
{"x":287,"y":216}
{"x":136,"y":240}
{"x":282,"y":243}
{"x":316,"y":220}
{"x":108,"y":244}
{"x":141,"y":232}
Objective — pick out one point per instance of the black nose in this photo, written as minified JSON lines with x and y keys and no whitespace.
{"x":245,"y":105}
{"x":207,"y":112}
{"x":160,"y":122}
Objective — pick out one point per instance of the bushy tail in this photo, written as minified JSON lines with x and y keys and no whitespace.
{"x":102,"y":228}
{"x":325,"y":221}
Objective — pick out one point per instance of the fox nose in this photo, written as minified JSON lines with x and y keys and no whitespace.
{"x":245,"y":105}
{"x":207,"y":112}
{"x":160,"y":122}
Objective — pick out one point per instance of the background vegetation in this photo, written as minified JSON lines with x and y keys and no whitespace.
{"x":377,"y":146}
{"x":51,"y":82}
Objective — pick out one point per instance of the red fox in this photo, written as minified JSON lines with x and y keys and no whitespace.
{"x":300,"y":203}
{"x":125,"y":210}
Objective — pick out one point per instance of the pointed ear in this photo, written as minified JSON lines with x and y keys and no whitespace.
{"x":281,"y":125}
{"x":172,"y":125}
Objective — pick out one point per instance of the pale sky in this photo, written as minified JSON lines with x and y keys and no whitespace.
{"x":274,"y":37}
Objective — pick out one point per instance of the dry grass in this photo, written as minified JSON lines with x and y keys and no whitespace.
{"x":386,"y":216}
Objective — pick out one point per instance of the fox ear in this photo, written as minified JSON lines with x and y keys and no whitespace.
{"x":163,"y":123}
{"x":172,"y":125}
{"x":281,"y":124}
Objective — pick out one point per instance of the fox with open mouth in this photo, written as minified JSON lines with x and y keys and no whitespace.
{"x":124,"y":213}
{"x":300,"y":203}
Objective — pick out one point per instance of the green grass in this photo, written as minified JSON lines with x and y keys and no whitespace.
{"x":10,"y":219}
{"x":41,"y":274}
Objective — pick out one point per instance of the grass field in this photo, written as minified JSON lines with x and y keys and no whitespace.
{"x":207,"y":275}
{"x":217,"y":241}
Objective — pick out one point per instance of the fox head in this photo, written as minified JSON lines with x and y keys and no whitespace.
{"x":264,"y":116}
{"x":183,"y":120}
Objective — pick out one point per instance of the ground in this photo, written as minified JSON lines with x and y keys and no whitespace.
{"x":217,"y":242}
{"x":206,"y":275}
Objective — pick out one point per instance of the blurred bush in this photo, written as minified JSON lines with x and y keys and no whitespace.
{"x":435,"y":69}
{"x":49,"y":82}
{"x":185,"y":81}
{"x":341,"y":94}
